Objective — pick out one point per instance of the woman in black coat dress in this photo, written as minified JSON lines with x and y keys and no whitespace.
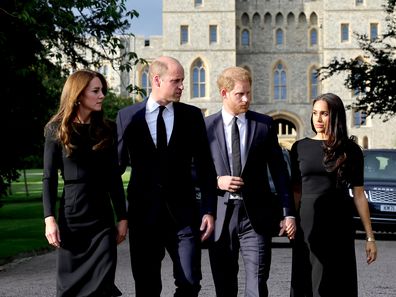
{"x":325,"y":169}
{"x":82,"y":146}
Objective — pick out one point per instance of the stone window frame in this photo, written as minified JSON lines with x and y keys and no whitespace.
{"x":279,"y":80}
{"x":198,"y":85}
{"x":184,"y":34}
{"x":313,"y":83}
{"x":145,"y":82}
{"x":245,"y":34}
{"x":344,"y":32}
{"x":372,"y":26}
{"x":213,"y":28}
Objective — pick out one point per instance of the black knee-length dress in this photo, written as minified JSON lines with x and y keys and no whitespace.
{"x":86,"y":261}
{"x":324,"y":262}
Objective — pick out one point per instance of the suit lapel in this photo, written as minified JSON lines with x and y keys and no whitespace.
{"x":221,"y":141}
{"x":142,"y":123}
{"x":176,"y":126}
{"x":251,"y":129}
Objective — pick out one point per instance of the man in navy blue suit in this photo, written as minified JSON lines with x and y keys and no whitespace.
{"x":162,"y":139}
{"x":243,"y":143}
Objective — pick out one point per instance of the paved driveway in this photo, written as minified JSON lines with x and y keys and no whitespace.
{"x":35,"y":276}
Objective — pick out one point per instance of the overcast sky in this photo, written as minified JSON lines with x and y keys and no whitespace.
{"x":149,"y":21}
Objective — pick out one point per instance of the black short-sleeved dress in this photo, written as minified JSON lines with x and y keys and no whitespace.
{"x":324,"y":262}
{"x":87,"y":258}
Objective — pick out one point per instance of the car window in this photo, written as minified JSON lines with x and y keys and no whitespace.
{"x":380,"y":165}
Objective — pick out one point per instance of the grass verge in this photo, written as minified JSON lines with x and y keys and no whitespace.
{"x":21,"y":217}
{"x":21,"y":231}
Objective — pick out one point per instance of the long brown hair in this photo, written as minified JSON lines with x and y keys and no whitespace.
{"x":62,"y":121}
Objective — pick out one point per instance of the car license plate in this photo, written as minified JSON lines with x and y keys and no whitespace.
{"x":391,"y":208}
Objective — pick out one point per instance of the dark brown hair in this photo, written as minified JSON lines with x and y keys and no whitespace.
{"x":335,"y":146}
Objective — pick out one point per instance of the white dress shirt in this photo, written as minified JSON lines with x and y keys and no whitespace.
{"x":152,"y":110}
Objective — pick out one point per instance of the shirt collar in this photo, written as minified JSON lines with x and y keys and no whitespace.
{"x":152,"y":105}
{"x":227,"y":117}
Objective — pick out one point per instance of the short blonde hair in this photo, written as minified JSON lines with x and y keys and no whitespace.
{"x":230,"y":75}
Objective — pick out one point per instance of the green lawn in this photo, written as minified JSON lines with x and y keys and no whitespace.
{"x":21,"y":230}
{"x":31,"y":187}
{"x":21,"y":217}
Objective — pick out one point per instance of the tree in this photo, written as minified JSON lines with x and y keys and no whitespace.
{"x":373,"y":78}
{"x":37,"y":39}
{"x":113,"y":103}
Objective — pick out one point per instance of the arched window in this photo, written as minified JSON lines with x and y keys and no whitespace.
{"x":291,"y":19}
{"x":280,"y":87}
{"x":256,"y":20}
{"x":145,"y":81}
{"x":267,"y":19}
{"x":279,"y":37}
{"x":245,"y":19}
{"x":279,"y":19}
{"x":302,"y":19}
{"x":313,"y":19}
{"x":314,"y":84}
{"x":313,"y":38}
{"x":245,"y":38}
{"x":198,"y":79}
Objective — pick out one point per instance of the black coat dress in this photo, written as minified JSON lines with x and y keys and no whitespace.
{"x":92,"y":187}
{"x":324,"y":262}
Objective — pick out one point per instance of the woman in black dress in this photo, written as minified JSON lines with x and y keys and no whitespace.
{"x":325,"y":169}
{"x":83,"y":146}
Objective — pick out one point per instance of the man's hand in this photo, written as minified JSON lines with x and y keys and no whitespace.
{"x":229,"y":183}
{"x":207,"y":226}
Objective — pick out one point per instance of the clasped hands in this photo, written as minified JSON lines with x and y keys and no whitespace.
{"x":288,"y":225}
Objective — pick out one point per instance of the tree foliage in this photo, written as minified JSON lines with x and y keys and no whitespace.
{"x":374,"y":77}
{"x":113,"y":103}
{"x":38,"y":40}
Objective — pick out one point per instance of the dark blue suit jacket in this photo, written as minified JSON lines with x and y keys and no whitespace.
{"x":149,"y":185}
{"x":262,"y":150}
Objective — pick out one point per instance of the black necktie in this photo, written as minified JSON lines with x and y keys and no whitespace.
{"x":236,"y":149}
{"x":161,"y":130}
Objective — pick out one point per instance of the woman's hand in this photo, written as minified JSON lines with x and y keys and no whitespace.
{"x":371,"y":251}
{"x":52,"y":231}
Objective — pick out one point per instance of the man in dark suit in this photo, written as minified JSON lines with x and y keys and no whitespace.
{"x":243,"y":143}
{"x":162,"y":140}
